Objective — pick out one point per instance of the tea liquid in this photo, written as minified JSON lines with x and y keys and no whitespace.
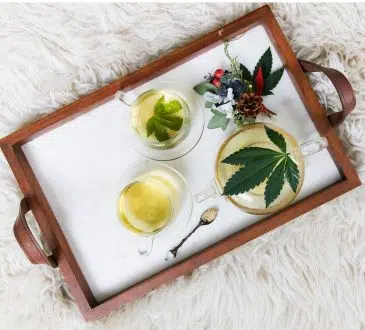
{"x":147,"y":204}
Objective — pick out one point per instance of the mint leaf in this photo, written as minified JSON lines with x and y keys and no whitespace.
{"x":249,"y":176}
{"x":204,"y":87}
{"x":150,"y":126}
{"x":265,"y":62}
{"x":292,"y":174}
{"x":250,"y":154}
{"x":159,"y":104}
{"x":158,"y":124}
{"x":167,"y":109}
{"x":276,"y":138}
{"x":164,"y":118}
{"x":218,"y":120}
{"x":160,"y":131}
{"x":272,"y":80}
{"x":173,"y":106}
{"x":171,"y":122}
{"x":245,"y":73}
{"x":275,"y":183}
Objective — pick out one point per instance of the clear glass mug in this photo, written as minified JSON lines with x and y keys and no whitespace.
{"x":253,"y":135}
{"x":141,"y":106}
{"x":155,"y":200}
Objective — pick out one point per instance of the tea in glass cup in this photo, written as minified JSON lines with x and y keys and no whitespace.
{"x":160,"y":118}
{"x":147,"y":204}
{"x":154,"y":196}
{"x":253,"y":155}
{"x":254,"y":135}
{"x":165,"y":122}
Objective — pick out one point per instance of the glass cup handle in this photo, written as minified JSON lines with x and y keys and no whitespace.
{"x":145,"y":244}
{"x":126,"y":98}
{"x":210,"y":191}
{"x":311,"y":147}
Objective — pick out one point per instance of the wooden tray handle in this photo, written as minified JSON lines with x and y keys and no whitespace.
{"x":26,"y":239}
{"x":343,"y":87}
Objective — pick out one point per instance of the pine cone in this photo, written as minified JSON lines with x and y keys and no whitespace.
{"x":250,"y":105}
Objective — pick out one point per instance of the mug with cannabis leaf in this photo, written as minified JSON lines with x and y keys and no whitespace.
{"x":260,"y":168}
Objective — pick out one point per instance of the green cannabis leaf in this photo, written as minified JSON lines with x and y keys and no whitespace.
{"x":292,"y":174}
{"x":249,"y":155}
{"x":275,"y":183}
{"x":276,"y":138}
{"x":249,"y":176}
{"x":245,"y":73}
{"x":260,"y":164}
{"x":271,"y":81}
{"x":164,"y":117}
{"x":265,"y":62}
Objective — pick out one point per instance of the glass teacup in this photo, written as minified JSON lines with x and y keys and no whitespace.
{"x":154,"y":197}
{"x":253,"y":135}
{"x":172,"y":132}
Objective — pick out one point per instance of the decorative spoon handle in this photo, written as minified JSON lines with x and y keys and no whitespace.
{"x":206,"y":218}
{"x":177,"y":247}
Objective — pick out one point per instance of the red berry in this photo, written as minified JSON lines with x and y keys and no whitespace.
{"x":219,"y":73}
{"x":216,"y":82}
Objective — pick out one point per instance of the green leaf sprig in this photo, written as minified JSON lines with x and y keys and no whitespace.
{"x":259,"y":164}
{"x":204,"y":87}
{"x":218,"y":120}
{"x":235,"y":65}
{"x":270,"y":78}
{"x":164,"y":117}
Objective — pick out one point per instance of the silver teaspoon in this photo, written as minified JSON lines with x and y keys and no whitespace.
{"x":206,"y":218}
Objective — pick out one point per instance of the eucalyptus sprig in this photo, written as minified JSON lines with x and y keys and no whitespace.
{"x":259,"y":164}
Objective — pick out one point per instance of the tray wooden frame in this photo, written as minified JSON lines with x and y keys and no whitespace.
{"x":11,"y":146}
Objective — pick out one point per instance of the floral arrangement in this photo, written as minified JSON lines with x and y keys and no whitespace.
{"x":237,"y":93}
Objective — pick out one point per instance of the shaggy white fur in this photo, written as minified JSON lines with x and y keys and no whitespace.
{"x":308,"y":274}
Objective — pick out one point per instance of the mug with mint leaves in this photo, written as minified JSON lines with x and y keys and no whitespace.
{"x":166,"y":120}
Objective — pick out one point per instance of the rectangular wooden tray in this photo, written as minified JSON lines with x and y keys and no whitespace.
{"x":64,"y":154}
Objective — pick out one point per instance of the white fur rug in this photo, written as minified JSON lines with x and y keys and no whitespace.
{"x":309,"y":274}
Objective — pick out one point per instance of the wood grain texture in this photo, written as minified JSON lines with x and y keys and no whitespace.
{"x":11,"y":146}
{"x":214,"y":251}
{"x":47,"y":222}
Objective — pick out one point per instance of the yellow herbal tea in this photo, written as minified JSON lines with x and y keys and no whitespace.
{"x":146,"y":205}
